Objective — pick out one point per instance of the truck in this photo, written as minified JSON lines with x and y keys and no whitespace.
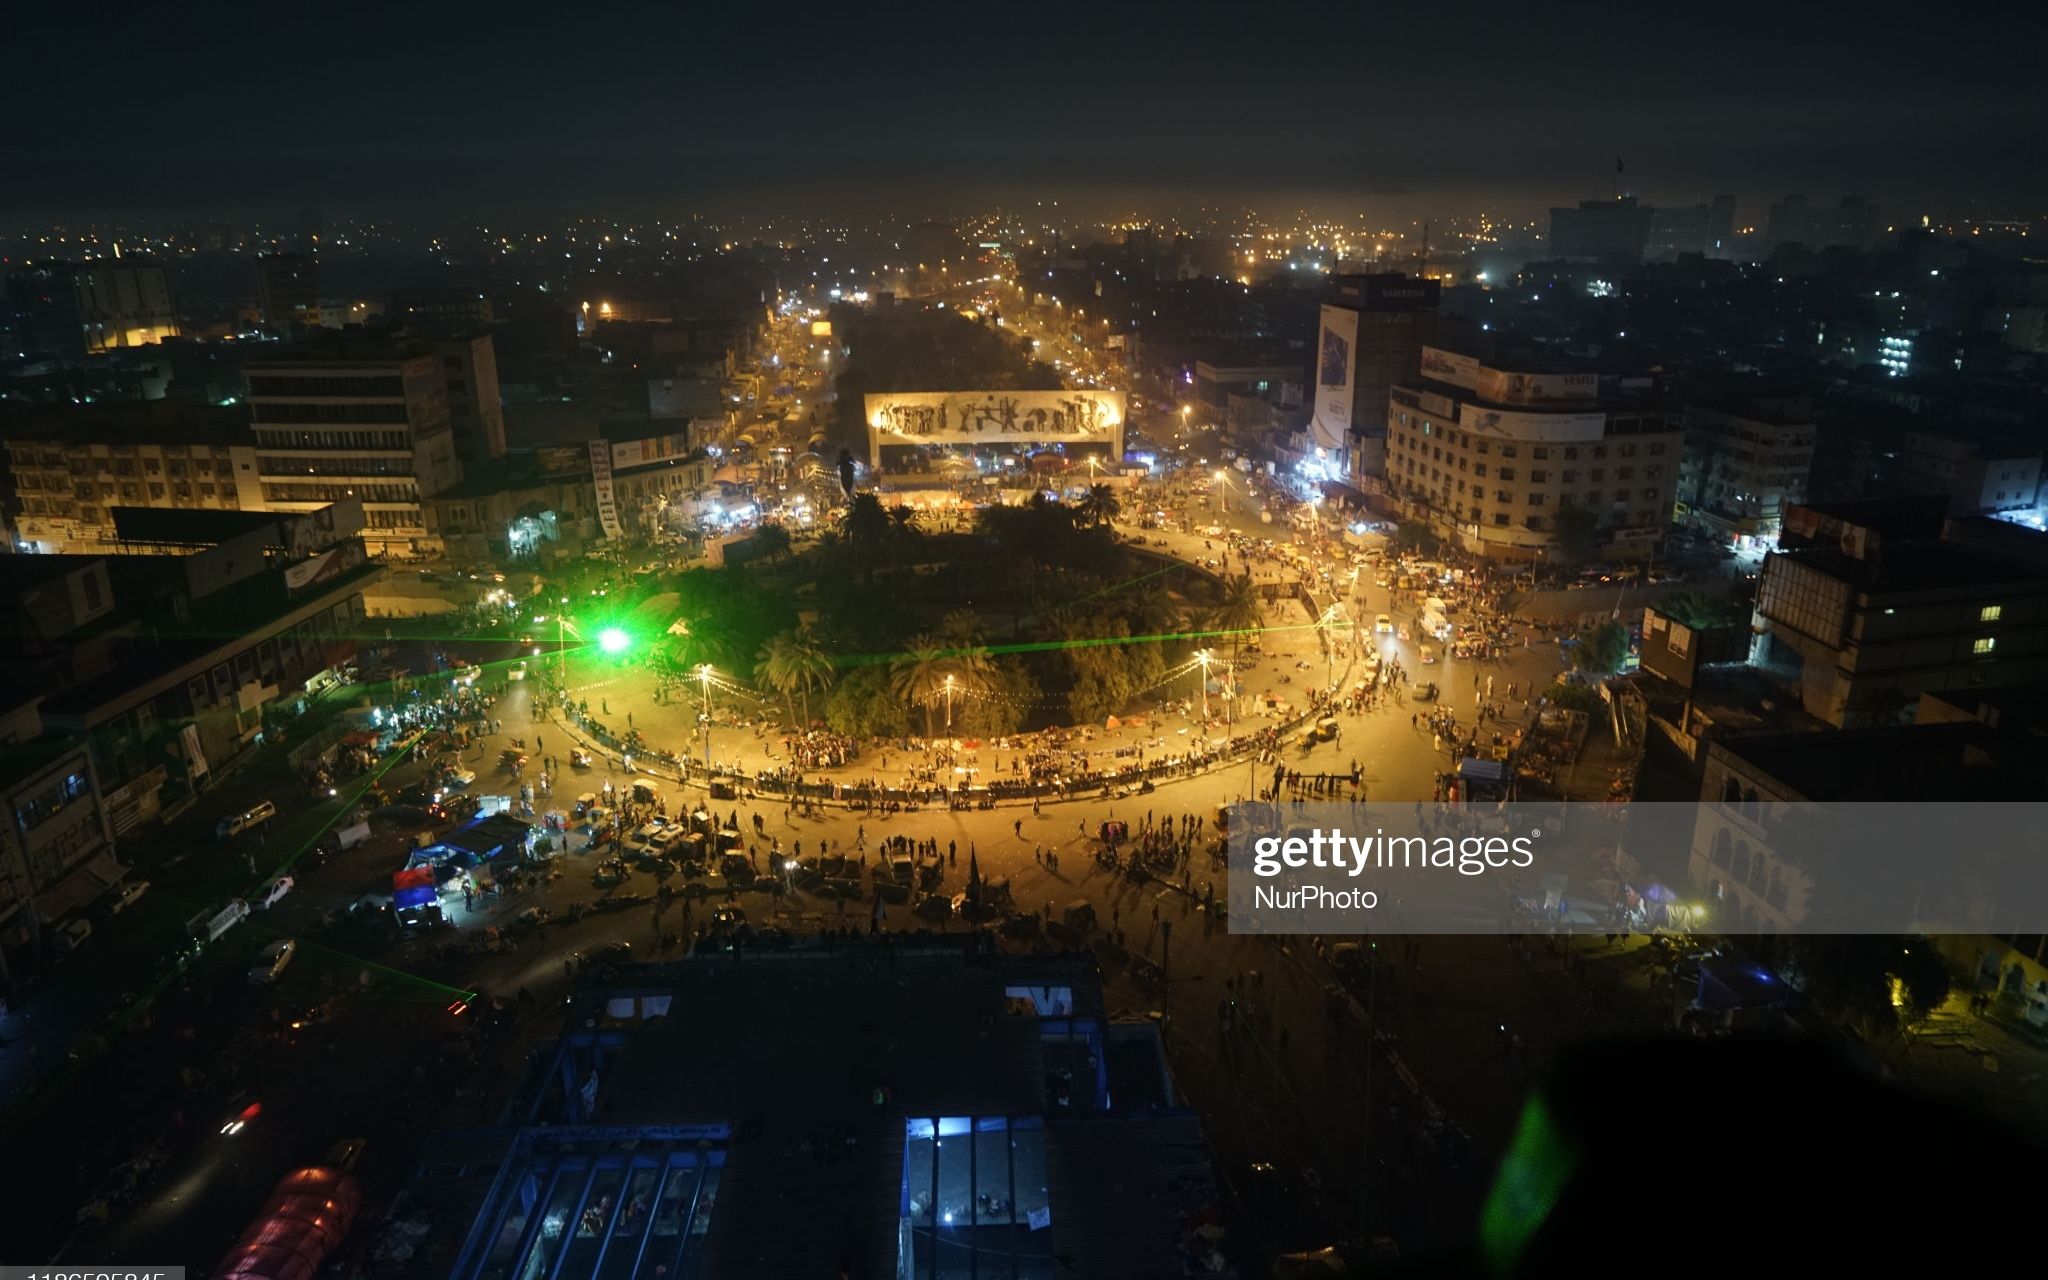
{"x":209,"y":925}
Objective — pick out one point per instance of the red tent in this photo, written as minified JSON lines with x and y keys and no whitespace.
{"x":413,"y":878}
{"x":306,"y":1216}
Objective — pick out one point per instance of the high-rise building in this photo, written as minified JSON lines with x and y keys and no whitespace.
{"x":442,"y":311}
{"x":1600,"y":230}
{"x":475,"y":411}
{"x":1372,"y":334}
{"x":70,"y":308}
{"x":1871,"y":604}
{"x":1853,"y":222}
{"x":366,"y":419}
{"x":1744,"y":463}
{"x":1530,"y":464}
{"x":288,"y":291}
{"x":1707,"y":229}
{"x":1979,"y":472}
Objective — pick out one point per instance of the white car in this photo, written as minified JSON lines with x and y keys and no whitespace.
{"x":270,"y":962}
{"x":272,"y":893}
{"x":460,"y":778}
{"x":1383,"y":624}
{"x":131,"y":893}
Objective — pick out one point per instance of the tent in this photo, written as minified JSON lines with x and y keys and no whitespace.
{"x":306,"y":1216}
{"x":1476,"y":770}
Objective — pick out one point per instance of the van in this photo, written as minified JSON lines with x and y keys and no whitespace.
{"x":254,"y":816}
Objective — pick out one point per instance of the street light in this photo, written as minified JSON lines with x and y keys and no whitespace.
{"x":949,"y":704}
{"x":1203,"y":658}
{"x":704,"y":678}
{"x":1223,"y":481}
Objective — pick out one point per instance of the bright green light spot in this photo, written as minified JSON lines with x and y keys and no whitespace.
{"x":1531,"y":1181}
{"x":613,"y":640}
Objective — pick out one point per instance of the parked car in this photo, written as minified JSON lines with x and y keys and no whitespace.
{"x":72,"y":934}
{"x":131,"y":893}
{"x":459,"y":778}
{"x":271,"y":961}
{"x":254,"y":816}
{"x":270,"y":894}
{"x":1383,"y":624}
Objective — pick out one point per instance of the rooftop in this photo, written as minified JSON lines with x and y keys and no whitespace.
{"x":1922,"y":565}
{"x":140,"y":422}
{"x":190,"y":528}
{"x":794,"y":1167}
{"x":1960,"y":761}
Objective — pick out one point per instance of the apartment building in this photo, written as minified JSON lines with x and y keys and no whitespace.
{"x":1533,"y":465}
{"x":70,"y":467}
{"x":342,"y":419}
{"x":1744,"y":463}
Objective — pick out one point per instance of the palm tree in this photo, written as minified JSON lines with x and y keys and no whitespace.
{"x":772,"y":540}
{"x":811,"y":668}
{"x":1151,"y":610}
{"x":1099,"y":506}
{"x":960,"y":634}
{"x":864,"y":526}
{"x":774,"y":667}
{"x":1238,"y":609}
{"x":918,"y":675}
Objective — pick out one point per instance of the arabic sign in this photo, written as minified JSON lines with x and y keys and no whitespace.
{"x":994,"y":417}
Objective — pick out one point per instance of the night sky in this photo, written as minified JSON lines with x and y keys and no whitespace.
{"x":819,"y":108}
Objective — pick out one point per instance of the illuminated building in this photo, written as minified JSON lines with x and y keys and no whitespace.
{"x":1495,"y":458}
{"x":72,"y":465}
{"x":165,"y":657}
{"x":1744,"y":464}
{"x":1372,"y":333}
{"x":68,"y":308}
{"x":1871,"y":604}
{"x":343,"y":418}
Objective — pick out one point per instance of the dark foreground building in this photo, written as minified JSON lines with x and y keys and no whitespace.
{"x":878,"y":1111}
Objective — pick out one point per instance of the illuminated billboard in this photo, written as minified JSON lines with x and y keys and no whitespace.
{"x":821,"y":328}
{"x":970,"y":418}
{"x":1334,"y":365}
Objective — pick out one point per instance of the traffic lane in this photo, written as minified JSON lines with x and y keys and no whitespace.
{"x":334,"y":1082}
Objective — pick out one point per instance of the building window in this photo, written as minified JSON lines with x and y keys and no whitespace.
{"x":1991,"y":613}
{"x":975,"y":1197}
{"x":1540,"y":453}
{"x":1479,"y":469}
{"x":1535,"y":499}
{"x":1500,"y":518}
{"x":1984,"y":645}
{"x":1539,"y":477}
{"x":1509,"y":451}
{"x":1507,"y":473}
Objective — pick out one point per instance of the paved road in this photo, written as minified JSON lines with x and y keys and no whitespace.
{"x":400,"y":1058}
